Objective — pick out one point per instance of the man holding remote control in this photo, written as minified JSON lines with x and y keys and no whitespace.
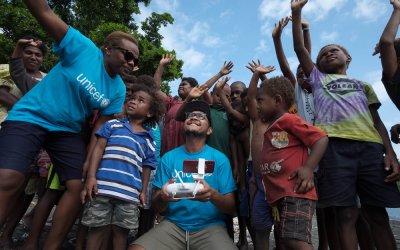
{"x":195,"y":222}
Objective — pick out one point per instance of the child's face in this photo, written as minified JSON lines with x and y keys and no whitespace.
{"x":266,"y":106}
{"x":216,"y":100}
{"x":139,"y":105}
{"x":236,"y":91}
{"x":332,"y":59}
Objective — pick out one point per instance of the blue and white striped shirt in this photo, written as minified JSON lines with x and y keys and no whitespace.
{"x":120,"y":172}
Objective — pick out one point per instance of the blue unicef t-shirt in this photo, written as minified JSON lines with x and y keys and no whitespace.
{"x":75,"y":87}
{"x":191,"y":215}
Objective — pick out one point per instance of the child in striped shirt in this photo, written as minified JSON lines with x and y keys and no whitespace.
{"x":119,"y":171}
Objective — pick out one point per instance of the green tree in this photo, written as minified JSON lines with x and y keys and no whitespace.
{"x":96,"y":19}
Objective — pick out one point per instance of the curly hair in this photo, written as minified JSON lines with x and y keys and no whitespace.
{"x":146,"y":80}
{"x":128,"y":78}
{"x":281,"y":86}
{"x":157,"y":107}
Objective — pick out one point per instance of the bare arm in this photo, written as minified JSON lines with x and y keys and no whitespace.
{"x":145,"y":183}
{"x":386,"y":43}
{"x":306,"y":35}
{"x":305,"y":174}
{"x":90,"y":189}
{"x":257,"y":70}
{"x":226,"y":69}
{"x":7,"y":99}
{"x":391,"y":162}
{"x":242,"y":118}
{"x":165,"y":60}
{"x":161,"y":199}
{"x":298,"y":42}
{"x":253,"y":88}
{"x":280,"y":54}
{"x":93,"y":141}
{"x":50,"y":22}
{"x":252,"y":96}
{"x":225,"y":203}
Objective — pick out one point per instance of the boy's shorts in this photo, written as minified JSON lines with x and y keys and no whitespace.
{"x":296,"y":218}
{"x":167,"y":235}
{"x":20,"y":142}
{"x":351,"y":167}
{"x":261,"y":212}
{"x":104,"y":211}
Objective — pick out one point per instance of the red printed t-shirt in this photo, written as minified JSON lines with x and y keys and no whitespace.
{"x":173,"y":134}
{"x":285,"y":149}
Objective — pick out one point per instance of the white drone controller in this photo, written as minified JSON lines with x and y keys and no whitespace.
{"x":187,"y":190}
{"x":184,"y":190}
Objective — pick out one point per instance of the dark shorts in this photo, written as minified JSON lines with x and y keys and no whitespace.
{"x":244,"y":205}
{"x":296,"y":218}
{"x":20,"y":142}
{"x":350,"y":168}
{"x":261,"y":212}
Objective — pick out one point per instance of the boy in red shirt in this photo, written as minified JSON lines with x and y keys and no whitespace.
{"x":287,"y":163}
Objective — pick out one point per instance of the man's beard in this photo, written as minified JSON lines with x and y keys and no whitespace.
{"x":195,"y":134}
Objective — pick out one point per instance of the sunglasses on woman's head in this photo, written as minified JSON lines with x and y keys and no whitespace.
{"x":128,"y":55}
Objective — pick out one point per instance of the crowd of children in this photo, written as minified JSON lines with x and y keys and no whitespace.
{"x":300,"y":144}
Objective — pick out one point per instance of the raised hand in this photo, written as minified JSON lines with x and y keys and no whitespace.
{"x":227,"y":68}
{"x":28,"y":42}
{"x":396,"y":4}
{"x":196,"y":92}
{"x":222,"y":82}
{"x":279,"y":27}
{"x":253,"y":65}
{"x":297,"y":5}
{"x":166,"y":59}
{"x":264,"y":70}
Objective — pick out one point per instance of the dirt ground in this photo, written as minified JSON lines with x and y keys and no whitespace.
{"x":22,"y":231}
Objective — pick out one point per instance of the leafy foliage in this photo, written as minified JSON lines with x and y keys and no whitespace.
{"x":95,"y":19}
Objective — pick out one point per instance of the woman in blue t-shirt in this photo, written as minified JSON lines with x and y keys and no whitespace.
{"x":52,"y":113}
